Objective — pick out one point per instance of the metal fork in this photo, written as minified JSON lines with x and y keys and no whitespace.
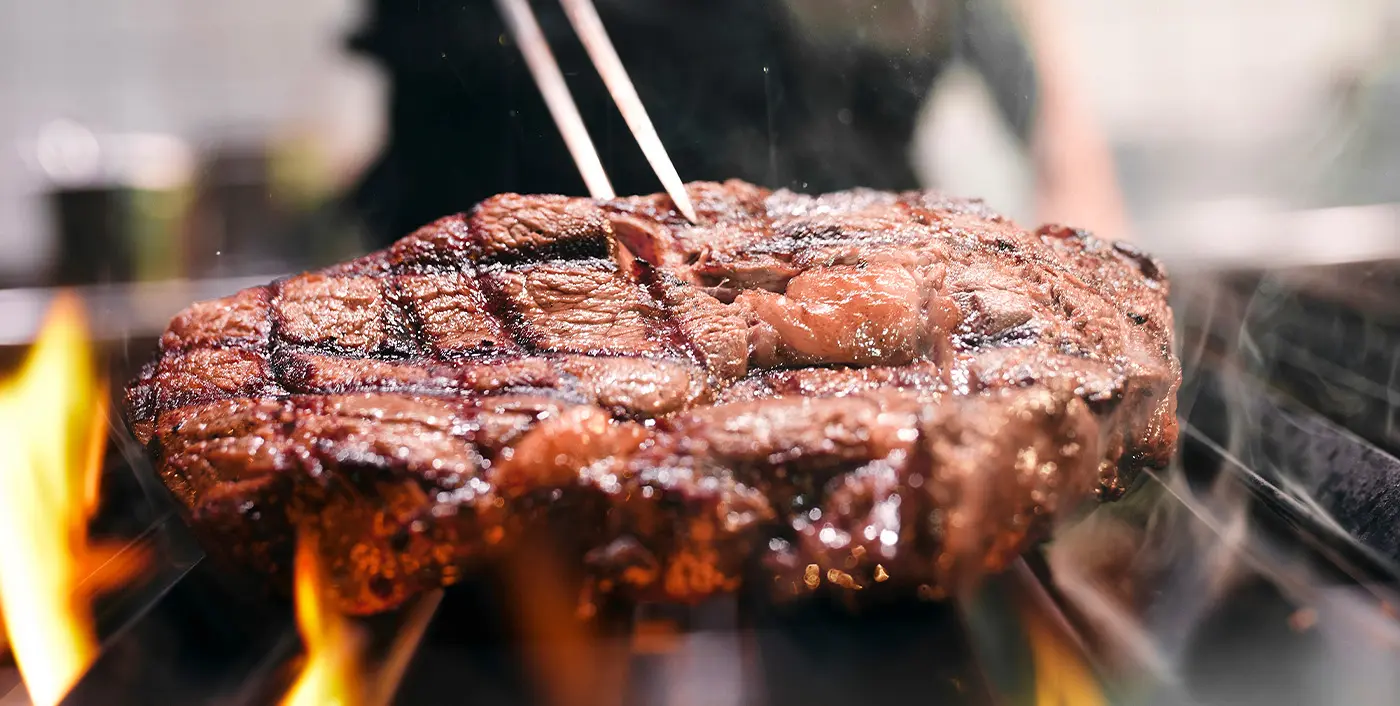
{"x":583,"y":16}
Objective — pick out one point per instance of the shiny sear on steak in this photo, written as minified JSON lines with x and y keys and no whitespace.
{"x":852,"y":389}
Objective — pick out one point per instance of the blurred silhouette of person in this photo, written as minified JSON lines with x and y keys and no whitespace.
{"x":813,"y":95}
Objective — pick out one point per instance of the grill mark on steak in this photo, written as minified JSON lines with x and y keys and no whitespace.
{"x":863,"y":388}
{"x":450,"y":314}
{"x":413,"y":336}
{"x":644,"y":274}
{"x":500,"y":310}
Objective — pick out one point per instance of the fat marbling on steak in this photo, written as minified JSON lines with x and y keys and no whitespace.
{"x":858,"y":388}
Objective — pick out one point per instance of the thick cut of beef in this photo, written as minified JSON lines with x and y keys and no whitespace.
{"x":849,"y":390}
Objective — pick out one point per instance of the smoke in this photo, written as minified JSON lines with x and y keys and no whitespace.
{"x":1224,"y":579}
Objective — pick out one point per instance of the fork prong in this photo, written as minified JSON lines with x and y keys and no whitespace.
{"x":589,"y":27}
{"x":525,"y":29}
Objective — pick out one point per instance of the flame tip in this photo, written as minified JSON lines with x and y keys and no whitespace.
{"x":53,"y":425}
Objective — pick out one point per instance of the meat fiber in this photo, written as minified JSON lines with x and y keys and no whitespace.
{"x":846,"y":390}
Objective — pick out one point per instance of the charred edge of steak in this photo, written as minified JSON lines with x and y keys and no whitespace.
{"x":871,"y":392}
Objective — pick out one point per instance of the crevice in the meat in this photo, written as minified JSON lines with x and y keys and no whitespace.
{"x":141,"y":404}
{"x":1144,"y":262}
{"x":772,"y":277}
{"x":596,"y":248}
{"x":390,"y":352}
{"x":1104,"y":404}
{"x":499,"y":307}
{"x":994,"y":317}
{"x":1067,"y":307}
{"x":723,"y":294}
{"x":642,"y":238}
{"x":274,"y":352}
{"x":1055,"y":230}
{"x":1019,"y":336}
{"x":406,"y":337}
{"x":289,"y":361}
{"x":647,"y":276}
{"x":292,"y":371}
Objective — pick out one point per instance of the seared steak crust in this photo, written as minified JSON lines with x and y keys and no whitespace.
{"x":861,"y":388}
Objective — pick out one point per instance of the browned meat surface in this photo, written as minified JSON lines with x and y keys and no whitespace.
{"x":859,"y":388}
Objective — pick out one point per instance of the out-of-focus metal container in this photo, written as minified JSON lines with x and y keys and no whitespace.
{"x":116,"y":203}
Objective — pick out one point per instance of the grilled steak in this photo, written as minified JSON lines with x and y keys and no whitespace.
{"x":858,"y":388}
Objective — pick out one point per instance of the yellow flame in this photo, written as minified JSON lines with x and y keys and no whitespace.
{"x":331,"y":675}
{"x":1061,"y":676}
{"x":53,"y":417}
{"x":335,"y":672}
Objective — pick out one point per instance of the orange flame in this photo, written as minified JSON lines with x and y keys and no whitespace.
{"x":335,"y":672}
{"x":576,"y":665}
{"x":53,"y":424}
{"x":1061,"y":676}
{"x":331,"y":675}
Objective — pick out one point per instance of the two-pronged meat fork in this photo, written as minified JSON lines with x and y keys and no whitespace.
{"x":525,"y":29}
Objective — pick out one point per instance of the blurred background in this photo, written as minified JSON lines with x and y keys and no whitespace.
{"x":157,"y":152}
{"x":227,"y":120}
{"x":195,"y":140}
